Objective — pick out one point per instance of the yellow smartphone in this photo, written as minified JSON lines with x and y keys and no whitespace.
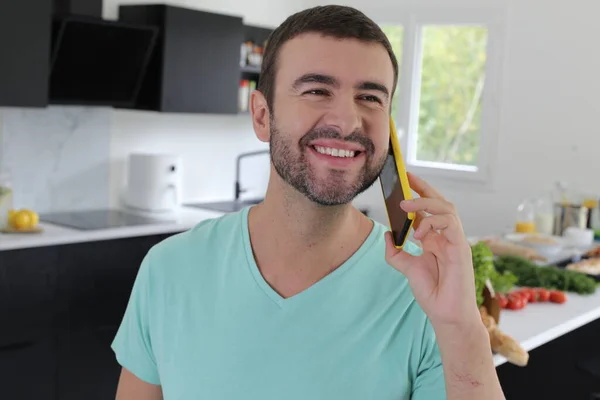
{"x":395,"y":187}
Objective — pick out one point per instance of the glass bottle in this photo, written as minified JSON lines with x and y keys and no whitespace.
{"x":525,"y":217}
{"x":6,"y":198}
{"x":544,"y":215}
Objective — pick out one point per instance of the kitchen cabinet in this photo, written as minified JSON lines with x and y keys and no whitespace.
{"x":28,"y":370}
{"x":60,"y":308}
{"x":557,"y":370}
{"x":28,"y":317}
{"x":96,"y":279}
{"x":24,"y":52}
{"x":28,"y":293}
{"x":195,"y":67}
{"x":86,"y":364}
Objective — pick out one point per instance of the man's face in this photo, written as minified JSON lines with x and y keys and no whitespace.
{"x":329,"y":131}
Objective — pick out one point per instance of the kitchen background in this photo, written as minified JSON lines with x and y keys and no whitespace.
{"x":63,"y":157}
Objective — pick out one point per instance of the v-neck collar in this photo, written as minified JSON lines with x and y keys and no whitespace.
{"x":276,"y":297}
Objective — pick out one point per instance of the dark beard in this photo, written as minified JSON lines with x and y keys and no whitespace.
{"x":334,"y":190}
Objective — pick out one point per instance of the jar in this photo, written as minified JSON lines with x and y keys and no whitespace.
{"x":544,"y":215}
{"x":592,"y":203}
{"x":6,"y":198}
{"x":525,"y":217}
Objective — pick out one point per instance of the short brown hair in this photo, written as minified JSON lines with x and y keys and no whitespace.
{"x":340,"y":22}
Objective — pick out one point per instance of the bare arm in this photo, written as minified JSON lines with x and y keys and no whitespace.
{"x":468,"y":363}
{"x":133,"y":388}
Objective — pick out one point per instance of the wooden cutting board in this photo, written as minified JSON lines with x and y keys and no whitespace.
{"x":492,"y":305}
{"x":35,"y":229}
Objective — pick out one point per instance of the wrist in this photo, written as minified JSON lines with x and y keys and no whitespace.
{"x":468,"y":323}
{"x":468,"y":331}
{"x":468,"y":361}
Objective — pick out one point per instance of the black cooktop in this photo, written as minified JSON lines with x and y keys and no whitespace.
{"x":99,"y":219}
{"x":227,"y":206}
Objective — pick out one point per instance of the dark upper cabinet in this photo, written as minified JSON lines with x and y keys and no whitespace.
{"x":195,"y":67}
{"x":24,"y":52}
{"x":90,"y":8}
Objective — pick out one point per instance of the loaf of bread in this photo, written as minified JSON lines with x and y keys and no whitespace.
{"x":503,"y":344}
{"x":500,"y":247}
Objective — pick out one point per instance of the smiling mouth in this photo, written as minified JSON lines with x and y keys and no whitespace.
{"x":333,"y":152}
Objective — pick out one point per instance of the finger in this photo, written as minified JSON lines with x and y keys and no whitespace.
{"x":419,"y":215}
{"x":428,"y":205}
{"x":446,"y":225}
{"x":397,"y":258}
{"x":422,"y":188}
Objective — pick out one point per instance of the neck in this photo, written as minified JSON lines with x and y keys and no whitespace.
{"x":297,"y":242}
{"x":297,"y":222}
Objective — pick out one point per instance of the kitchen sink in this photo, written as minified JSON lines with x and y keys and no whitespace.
{"x":226,"y":206}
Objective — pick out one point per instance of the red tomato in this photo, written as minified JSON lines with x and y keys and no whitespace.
{"x":514,"y":293}
{"x":532,"y":295}
{"x":522,"y":295}
{"x":516,"y":302}
{"x":527,"y":294}
{"x":556,"y":296}
{"x":502,"y":300}
{"x":543,"y":294}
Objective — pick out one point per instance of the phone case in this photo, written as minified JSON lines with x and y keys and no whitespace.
{"x":403,"y":178}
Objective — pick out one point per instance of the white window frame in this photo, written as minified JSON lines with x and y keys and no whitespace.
{"x":410,"y":80}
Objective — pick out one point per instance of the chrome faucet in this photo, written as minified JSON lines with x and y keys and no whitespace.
{"x":238,"y":188}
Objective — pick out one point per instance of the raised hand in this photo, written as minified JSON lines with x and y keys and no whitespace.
{"x":442,"y":278}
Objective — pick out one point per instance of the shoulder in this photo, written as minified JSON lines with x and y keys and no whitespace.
{"x":201,"y":235}
{"x":198,"y":243}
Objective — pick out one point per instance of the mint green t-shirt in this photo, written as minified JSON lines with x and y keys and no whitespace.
{"x":204,"y":324}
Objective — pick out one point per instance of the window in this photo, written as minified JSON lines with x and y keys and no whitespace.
{"x":395,"y":34}
{"x":445,"y":105}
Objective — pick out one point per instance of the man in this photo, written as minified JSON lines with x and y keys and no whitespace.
{"x":301,"y":297}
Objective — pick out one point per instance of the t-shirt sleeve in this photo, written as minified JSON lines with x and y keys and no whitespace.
{"x":132,"y":344}
{"x":429,"y":383}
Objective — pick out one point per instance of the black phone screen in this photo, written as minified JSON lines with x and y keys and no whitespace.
{"x":393,"y":195}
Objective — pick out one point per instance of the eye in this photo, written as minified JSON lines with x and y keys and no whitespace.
{"x":371,"y":98}
{"x":317,"y":92}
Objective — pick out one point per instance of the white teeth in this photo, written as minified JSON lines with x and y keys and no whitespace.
{"x":335,"y":152}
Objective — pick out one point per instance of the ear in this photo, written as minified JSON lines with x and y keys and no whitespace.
{"x":260,"y":116}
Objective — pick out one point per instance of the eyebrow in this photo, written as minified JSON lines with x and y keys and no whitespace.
{"x":331,"y":81}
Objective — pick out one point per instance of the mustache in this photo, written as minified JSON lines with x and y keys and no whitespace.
{"x":329,"y":133}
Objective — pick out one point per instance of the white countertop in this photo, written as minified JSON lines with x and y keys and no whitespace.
{"x":184,"y":219}
{"x":533,"y":326}
{"x":539,"y":323}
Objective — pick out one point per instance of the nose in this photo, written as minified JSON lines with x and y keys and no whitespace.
{"x":343,"y":114}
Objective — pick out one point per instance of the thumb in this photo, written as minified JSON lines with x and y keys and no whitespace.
{"x":397,"y":258}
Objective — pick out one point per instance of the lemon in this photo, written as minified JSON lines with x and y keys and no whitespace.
{"x":35,"y":219}
{"x":22,"y":220}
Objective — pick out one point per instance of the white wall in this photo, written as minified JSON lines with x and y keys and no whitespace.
{"x":550,"y":105}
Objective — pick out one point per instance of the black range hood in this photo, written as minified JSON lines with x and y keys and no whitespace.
{"x":95,"y":61}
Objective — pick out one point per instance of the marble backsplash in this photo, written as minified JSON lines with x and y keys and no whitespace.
{"x":57,"y":157}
